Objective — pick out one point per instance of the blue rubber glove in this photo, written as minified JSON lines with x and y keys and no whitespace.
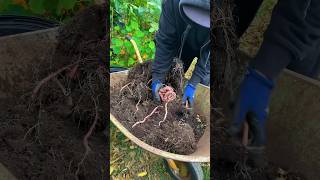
{"x":252,"y":105}
{"x":156,"y":86}
{"x":188,"y":95}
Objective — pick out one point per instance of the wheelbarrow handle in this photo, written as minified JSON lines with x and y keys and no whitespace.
{"x":136,"y":49}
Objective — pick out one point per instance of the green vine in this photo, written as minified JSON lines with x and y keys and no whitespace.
{"x":58,"y":10}
{"x":138,"y":19}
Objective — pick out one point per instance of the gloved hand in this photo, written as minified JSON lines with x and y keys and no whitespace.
{"x":156,"y":86}
{"x":252,"y":106}
{"x":188,"y":95}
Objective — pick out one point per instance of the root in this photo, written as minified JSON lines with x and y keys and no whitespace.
{"x":48,"y":78}
{"x":63,"y":89}
{"x":242,"y":171}
{"x":137,"y":108}
{"x":127,"y":87}
{"x":86,"y":137}
{"x":165,"y":115}
{"x":166,"y":94}
{"x":144,"y":120}
{"x":29,"y":131}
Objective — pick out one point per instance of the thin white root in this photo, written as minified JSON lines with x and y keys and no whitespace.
{"x":165,"y":115}
{"x":125,"y":87}
{"x":144,"y":119}
{"x":137,"y":106}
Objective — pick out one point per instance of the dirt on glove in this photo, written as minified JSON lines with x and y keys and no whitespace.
{"x":132,"y":102}
{"x":56,"y":130}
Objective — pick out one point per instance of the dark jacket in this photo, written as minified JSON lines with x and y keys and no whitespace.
{"x":293,"y":36}
{"x":168,"y":40}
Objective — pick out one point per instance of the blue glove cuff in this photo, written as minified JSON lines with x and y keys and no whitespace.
{"x":190,"y":87}
{"x":189,"y":92}
{"x":154,"y":84}
{"x":259,"y":76}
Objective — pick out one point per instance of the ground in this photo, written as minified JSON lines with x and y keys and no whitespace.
{"x":128,"y":160}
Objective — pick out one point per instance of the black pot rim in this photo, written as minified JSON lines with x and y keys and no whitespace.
{"x":15,"y":24}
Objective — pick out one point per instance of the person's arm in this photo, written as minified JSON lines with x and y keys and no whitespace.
{"x":293,"y":30}
{"x":201,"y":73}
{"x":166,"y":40}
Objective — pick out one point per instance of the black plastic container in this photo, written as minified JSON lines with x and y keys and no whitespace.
{"x":13,"y":24}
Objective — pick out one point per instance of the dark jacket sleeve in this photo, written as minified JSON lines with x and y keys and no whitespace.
{"x":294,"y":30}
{"x":201,"y":73}
{"x":166,"y":40}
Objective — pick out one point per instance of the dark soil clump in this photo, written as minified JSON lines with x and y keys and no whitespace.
{"x":181,"y":130}
{"x":42,"y":133}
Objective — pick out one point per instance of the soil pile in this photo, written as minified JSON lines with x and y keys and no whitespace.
{"x":56,"y":131}
{"x":132,"y":101}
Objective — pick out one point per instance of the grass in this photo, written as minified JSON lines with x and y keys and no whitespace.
{"x":127,"y":160}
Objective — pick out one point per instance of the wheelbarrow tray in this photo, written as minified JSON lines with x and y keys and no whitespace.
{"x":202,"y":107}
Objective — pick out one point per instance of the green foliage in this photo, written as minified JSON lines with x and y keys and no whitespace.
{"x":138,"y":19}
{"x":59,"y":10}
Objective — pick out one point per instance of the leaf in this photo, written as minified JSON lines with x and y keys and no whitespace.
{"x":151,"y":45}
{"x":4,"y":4}
{"x":37,"y":6}
{"x":141,"y":174}
{"x":117,"y":28}
{"x":67,"y":4}
{"x":18,"y":10}
{"x":134,"y":25}
{"x":152,"y":29}
{"x":131,"y":62}
{"x":51,"y":6}
{"x":20,"y":2}
{"x":117,"y":50}
{"x":128,"y":28}
{"x":123,"y":64}
{"x":141,"y":10}
{"x":117,"y":42}
{"x":139,"y":34}
{"x":155,"y":25}
{"x":64,"y":5}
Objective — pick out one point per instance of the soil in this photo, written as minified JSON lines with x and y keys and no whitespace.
{"x":181,"y":130}
{"x":42,"y":133}
{"x":231,"y":160}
